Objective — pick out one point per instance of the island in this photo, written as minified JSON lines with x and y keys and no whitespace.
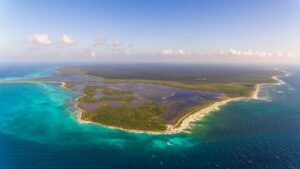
{"x":157,"y":98}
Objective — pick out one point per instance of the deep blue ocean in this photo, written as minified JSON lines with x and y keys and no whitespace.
{"x":39,"y":130}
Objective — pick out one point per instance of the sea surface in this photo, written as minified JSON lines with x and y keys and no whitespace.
{"x":39,"y":130}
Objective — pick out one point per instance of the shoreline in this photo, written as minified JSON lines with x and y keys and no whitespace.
{"x":186,"y":122}
{"x":183,"y":123}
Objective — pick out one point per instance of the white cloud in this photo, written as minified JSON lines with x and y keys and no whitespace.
{"x":291,"y":55}
{"x":42,"y":39}
{"x":235,"y":52}
{"x":171,"y":52}
{"x":256,"y":54}
{"x":181,"y":52}
{"x":93,"y":54}
{"x":68,"y":40}
{"x":249,"y":53}
{"x":166,"y":52}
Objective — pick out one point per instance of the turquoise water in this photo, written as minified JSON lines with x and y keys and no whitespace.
{"x":14,"y":71}
{"x":39,"y":129}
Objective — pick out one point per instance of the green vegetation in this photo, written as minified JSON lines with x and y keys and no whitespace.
{"x":233,"y":81}
{"x":116,"y":99}
{"x":90,"y":93}
{"x":188,"y":73}
{"x":71,"y":70}
{"x":119,"y":108}
{"x":230,"y":89}
{"x":106,"y":90}
{"x":110,"y":91}
{"x":143,"y":117}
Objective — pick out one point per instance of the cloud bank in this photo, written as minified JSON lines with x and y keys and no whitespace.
{"x":41,"y":39}
{"x":115,"y":49}
{"x":67,"y":39}
{"x":172,"y":52}
{"x":250,"y":53}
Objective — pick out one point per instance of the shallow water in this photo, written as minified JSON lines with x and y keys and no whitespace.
{"x":39,"y":129}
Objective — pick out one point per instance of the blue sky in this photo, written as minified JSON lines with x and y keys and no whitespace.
{"x":150,"y":31}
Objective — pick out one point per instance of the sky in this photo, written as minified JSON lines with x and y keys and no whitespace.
{"x":243,"y":31}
